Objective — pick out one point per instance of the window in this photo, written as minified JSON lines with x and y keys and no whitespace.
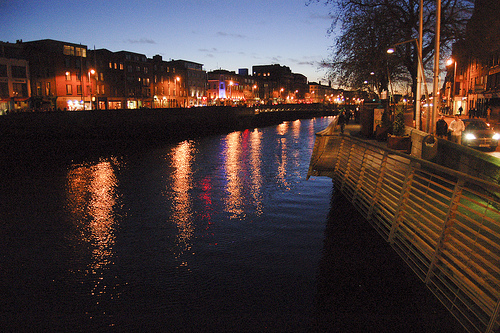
{"x":81,"y":52}
{"x":68,"y":50}
{"x":79,"y":89}
{"x":4,"y":89}
{"x":78,"y":76}
{"x":69,"y":89}
{"x":39,"y":89}
{"x":121,"y":66}
{"x":110,"y":65}
{"x":102,"y":76}
{"x":20,"y":89}
{"x":47,"y":89}
{"x":68,"y":76}
{"x":3,"y":70}
{"x":18,"y":71}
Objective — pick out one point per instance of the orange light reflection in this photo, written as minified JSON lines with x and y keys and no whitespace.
{"x":182,"y":203}
{"x":91,"y":196}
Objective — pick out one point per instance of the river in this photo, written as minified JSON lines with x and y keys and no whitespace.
{"x":216,"y":234}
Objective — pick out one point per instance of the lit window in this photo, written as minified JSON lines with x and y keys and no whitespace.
{"x":68,"y":76}
{"x":69,"y":50}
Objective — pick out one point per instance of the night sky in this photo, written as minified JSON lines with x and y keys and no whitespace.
{"x":218,"y":34}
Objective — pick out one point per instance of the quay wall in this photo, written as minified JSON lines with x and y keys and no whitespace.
{"x":147,"y":124}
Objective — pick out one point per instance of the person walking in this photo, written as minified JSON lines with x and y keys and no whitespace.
{"x":457,"y":126}
{"x":442,"y":128}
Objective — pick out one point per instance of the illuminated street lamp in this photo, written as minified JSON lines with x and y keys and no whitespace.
{"x":452,"y":92}
{"x":420,"y":78}
{"x":231,"y":91}
{"x":177,"y":79}
{"x":90,"y":87}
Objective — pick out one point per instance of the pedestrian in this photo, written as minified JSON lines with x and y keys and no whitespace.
{"x":460,"y":110}
{"x":341,"y":121}
{"x":442,"y":128}
{"x":457,"y":126}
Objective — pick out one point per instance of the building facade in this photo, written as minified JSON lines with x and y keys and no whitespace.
{"x":15,"y":89}
{"x":58,"y":75}
{"x":473,"y":76}
{"x":228,"y":88}
{"x":193,"y":86}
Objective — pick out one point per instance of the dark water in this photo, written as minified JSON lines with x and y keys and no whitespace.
{"x":220,"y":234}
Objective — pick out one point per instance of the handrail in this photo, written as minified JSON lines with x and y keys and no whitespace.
{"x":478,"y":181}
{"x":444,"y":223}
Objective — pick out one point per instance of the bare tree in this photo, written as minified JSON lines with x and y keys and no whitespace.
{"x":365,"y":29}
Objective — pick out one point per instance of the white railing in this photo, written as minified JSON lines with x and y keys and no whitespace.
{"x":445,"y":224}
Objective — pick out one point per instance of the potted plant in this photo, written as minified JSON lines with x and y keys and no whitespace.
{"x":398,"y":140}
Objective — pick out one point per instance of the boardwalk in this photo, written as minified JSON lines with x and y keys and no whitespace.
{"x":443,"y":223}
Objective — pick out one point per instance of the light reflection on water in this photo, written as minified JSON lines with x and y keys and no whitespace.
{"x":215,"y":231}
{"x":91,"y":201}
{"x":182,"y":202}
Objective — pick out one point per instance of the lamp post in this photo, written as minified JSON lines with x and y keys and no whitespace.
{"x":177,"y":79}
{"x":231,"y":92}
{"x":420,"y":77}
{"x":452,"y":92}
{"x":90,"y":87}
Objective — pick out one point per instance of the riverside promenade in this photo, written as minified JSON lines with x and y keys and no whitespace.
{"x":440,"y":212}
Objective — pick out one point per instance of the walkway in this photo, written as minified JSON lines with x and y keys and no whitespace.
{"x":442,"y":222}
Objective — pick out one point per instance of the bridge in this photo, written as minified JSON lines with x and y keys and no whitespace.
{"x":443,"y":222}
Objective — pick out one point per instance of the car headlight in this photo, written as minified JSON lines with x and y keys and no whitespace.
{"x":470,"y":136}
{"x":496,"y":136}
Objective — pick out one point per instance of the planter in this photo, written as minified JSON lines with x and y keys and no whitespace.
{"x":402,"y":143}
{"x":381,"y":133}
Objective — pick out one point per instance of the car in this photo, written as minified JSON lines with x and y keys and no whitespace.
{"x":479,"y":134}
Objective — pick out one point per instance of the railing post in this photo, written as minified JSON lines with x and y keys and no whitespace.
{"x":348,"y":166}
{"x":402,"y":200}
{"x":493,"y":319}
{"x":359,"y":183}
{"x":447,"y":223}
{"x":383,"y":169}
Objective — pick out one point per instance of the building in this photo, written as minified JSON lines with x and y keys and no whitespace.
{"x":319,"y":93}
{"x":194,"y":85}
{"x":275,"y":82}
{"x":473,"y":75}
{"x":228,"y":88}
{"x":59,"y":75}
{"x":15,"y":89}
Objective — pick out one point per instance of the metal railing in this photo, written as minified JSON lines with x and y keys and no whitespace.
{"x":445,"y":224}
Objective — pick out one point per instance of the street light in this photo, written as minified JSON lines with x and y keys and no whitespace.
{"x":231,"y":92}
{"x":420,"y":78}
{"x":90,"y":87}
{"x":452,"y":92}
{"x":177,"y":79}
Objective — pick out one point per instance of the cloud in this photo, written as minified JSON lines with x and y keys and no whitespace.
{"x":213,"y":49}
{"x":140,"y":41}
{"x":225,"y":34}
